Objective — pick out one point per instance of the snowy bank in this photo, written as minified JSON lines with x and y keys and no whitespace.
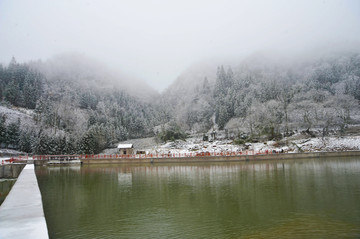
{"x":197,"y":145}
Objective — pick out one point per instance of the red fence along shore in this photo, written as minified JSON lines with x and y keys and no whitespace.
{"x":149,"y":156}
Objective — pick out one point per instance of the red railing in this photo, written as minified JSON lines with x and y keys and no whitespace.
{"x":15,"y":159}
{"x":140,"y":156}
{"x":55,"y":157}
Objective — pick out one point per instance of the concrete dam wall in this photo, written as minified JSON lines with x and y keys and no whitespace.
{"x":11,"y":170}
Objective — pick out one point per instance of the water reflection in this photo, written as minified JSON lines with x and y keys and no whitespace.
{"x":298,"y":199}
{"x":125,"y":180}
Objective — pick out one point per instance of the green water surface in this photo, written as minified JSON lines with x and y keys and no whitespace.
{"x":313,"y":198}
{"x":5,"y":187}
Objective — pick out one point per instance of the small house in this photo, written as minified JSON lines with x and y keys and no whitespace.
{"x":125,"y":149}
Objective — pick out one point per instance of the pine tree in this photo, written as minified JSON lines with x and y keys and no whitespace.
{"x":41,"y":145}
{"x":220,"y":84}
{"x":71,"y":146}
{"x":205,"y":87}
{"x":87,"y":143}
{"x":224,"y":96}
{"x":12,"y":93}
{"x":52,"y":144}
{"x":2,"y":130}
{"x":2,"y":81}
{"x":13,"y":64}
{"x":62,"y":145}
{"x":29,"y":91}
{"x":25,"y":140}
{"x":13,"y":134}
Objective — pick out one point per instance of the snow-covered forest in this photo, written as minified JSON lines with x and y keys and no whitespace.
{"x":66,"y":106}
{"x":262,"y":98}
{"x":72,"y":110}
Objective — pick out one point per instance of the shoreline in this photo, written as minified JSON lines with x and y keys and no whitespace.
{"x":294,"y":144}
{"x":237,"y":158}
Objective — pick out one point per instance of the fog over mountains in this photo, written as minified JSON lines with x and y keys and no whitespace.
{"x":157,"y":40}
{"x":74,"y":104}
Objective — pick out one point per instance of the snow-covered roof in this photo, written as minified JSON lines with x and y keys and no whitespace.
{"x":125,"y":146}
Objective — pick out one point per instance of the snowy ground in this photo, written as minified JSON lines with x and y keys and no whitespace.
{"x":7,"y":154}
{"x":2,"y":160}
{"x":12,"y":115}
{"x":10,"y":152}
{"x":196,"y":145}
{"x":329,"y":144}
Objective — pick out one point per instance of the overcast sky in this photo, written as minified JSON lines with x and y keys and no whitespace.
{"x":156,"y":40}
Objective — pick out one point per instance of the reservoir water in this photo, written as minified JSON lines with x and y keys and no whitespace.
{"x":312,"y":198}
{"x":5,"y":187}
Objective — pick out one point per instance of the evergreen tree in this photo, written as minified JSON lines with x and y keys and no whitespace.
{"x":13,"y":134}
{"x":70,"y":146}
{"x":41,"y":145}
{"x":12,"y":93}
{"x":206,"y":86}
{"x":13,"y":65}
{"x":3,"y":138}
{"x":25,"y":140}
{"x":224,"y":96}
{"x":220,"y":84}
{"x":53,"y":143}
{"x":2,"y":81}
{"x":88,"y":100}
{"x":30,"y":94}
{"x":62,"y":144}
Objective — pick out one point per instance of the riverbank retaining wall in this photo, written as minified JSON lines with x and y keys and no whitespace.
{"x":11,"y":170}
{"x":221,"y":158}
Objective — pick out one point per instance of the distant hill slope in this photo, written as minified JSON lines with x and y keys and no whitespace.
{"x":72,"y":104}
{"x":77,"y":105}
{"x":13,"y":114}
{"x":269,"y":94}
{"x":89,"y":73}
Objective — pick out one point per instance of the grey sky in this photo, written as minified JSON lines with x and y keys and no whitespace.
{"x":156,"y":40}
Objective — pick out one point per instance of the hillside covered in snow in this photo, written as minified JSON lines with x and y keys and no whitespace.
{"x":71,"y":104}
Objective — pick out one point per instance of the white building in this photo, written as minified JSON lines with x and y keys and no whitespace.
{"x":126,"y":149}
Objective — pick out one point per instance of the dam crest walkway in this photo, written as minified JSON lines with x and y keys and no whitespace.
{"x":22,"y":214}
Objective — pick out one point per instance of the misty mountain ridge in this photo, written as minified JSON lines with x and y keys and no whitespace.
{"x":79,"y":106}
{"x":86,"y":72}
{"x":266,"y":78}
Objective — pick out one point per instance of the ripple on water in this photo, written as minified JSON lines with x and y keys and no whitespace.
{"x":307,"y":226}
{"x":291,"y":199}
